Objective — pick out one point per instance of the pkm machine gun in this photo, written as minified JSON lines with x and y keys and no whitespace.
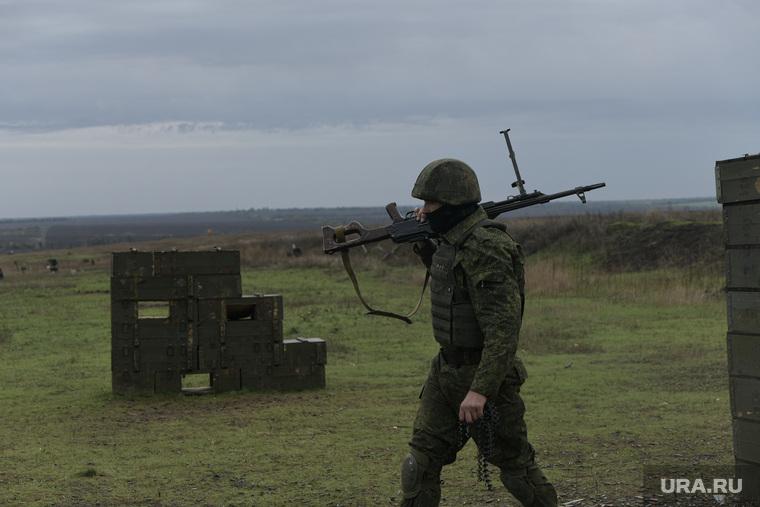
{"x":407,"y":229}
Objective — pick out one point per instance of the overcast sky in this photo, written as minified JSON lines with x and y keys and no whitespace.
{"x":154,"y":106}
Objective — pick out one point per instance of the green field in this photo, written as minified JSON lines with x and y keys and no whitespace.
{"x":627,"y":369}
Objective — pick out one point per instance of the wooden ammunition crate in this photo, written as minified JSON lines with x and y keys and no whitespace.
{"x":175,"y":314}
{"x":738,"y":179}
{"x":738,"y":189}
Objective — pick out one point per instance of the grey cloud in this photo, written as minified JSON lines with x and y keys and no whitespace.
{"x":634,"y":92}
{"x":272,"y":62}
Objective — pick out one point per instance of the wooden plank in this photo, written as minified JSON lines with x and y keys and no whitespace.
{"x":743,"y":311}
{"x":124,"y":314}
{"x":260,"y":330}
{"x":209,"y":335}
{"x":129,"y":382}
{"x":744,"y":355}
{"x":256,"y":307}
{"x":149,"y":288}
{"x":743,"y":268}
{"x":267,"y":331}
{"x":304,"y":351}
{"x":158,"y":328}
{"x":210,"y":310}
{"x":167,"y":382}
{"x":747,"y":441}
{"x":226,"y":380}
{"x":217,"y":286}
{"x":741,"y":224}
{"x":738,"y":180}
{"x":209,"y":359}
{"x":745,"y":398}
{"x":213,"y":262}
{"x":749,"y":473}
{"x":132,"y":263}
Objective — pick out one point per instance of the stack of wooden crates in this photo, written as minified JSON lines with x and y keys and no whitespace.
{"x":738,"y":189}
{"x":179,"y":314}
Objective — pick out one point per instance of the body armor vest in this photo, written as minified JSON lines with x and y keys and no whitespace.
{"x":454,"y":321}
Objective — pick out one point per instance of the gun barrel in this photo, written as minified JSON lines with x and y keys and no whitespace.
{"x":494,"y":209}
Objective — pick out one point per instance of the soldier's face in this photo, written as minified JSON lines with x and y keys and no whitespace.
{"x":430,"y":206}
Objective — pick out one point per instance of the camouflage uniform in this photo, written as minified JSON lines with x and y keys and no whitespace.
{"x":488,"y":272}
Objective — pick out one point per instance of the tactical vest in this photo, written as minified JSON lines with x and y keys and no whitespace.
{"x":454,"y":321}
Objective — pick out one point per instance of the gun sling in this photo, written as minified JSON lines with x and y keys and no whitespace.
{"x":340,"y":237}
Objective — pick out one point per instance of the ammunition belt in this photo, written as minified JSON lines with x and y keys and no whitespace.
{"x":488,"y":425}
{"x":458,"y":357}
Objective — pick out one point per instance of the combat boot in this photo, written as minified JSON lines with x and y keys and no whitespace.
{"x":530,"y":487}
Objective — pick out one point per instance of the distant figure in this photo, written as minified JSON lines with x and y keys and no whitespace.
{"x":296,"y":250}
{"x":24,"y":268}
{"x":1,"y":274}
{"x":53,"y":265}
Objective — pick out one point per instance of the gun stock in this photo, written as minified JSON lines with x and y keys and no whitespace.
{"x":334,"y":238}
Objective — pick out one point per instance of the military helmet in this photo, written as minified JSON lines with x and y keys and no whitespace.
{"x":448,"y":181}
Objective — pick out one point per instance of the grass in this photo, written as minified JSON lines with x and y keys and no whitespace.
{"x":626,"y":370}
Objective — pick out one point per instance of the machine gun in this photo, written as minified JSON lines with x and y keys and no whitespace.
{"x":407,"y":229}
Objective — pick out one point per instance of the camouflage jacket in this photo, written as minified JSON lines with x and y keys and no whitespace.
{"x":489,"y":269}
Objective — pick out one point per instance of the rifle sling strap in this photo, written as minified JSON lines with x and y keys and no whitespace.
{"x":340,"y":237}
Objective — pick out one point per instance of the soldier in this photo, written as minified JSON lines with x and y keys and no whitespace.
{"x":477,"y":296}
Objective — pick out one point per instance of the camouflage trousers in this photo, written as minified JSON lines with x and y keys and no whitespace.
{"x":436,"y":435}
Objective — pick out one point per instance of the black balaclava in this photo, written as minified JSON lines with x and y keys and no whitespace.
{"x":447,"y":216}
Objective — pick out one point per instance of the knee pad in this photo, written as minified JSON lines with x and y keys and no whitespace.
{"x":414,"y":466}
{"x":419,"y":481}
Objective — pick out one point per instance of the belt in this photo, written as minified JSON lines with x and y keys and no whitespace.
{"x":458,"y":357}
